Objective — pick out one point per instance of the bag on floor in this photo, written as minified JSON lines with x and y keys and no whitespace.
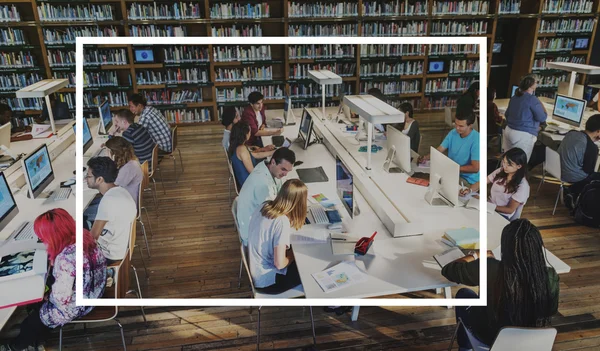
{"x":587,"y":205}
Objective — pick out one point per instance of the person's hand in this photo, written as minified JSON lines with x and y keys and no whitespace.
{"x":270,"y":147}
{"x":464,"y":191}
{"x":27,"y":129}
{"x":490,"y":254}
{"x":278,"y":131}
{"x":254,"y":148}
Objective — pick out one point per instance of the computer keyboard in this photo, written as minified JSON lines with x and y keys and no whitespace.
{"x":60,"y":194}
{"x":26,"y":233}
{"x":319,"y":215}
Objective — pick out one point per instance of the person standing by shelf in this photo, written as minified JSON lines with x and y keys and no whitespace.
{"x":153,"y":121}
{"x":467,"y":103}
{"x":254,"y":115}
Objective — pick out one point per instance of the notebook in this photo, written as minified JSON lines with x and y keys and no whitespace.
{"x":466,"y":238}
{"x":474,"y":204}
{"x":448,"y":256}
{"x":312,"y":175}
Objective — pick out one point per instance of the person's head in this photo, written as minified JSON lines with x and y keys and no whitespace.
{"x":524,"y":296}
{"x":491,"y":94}
{"x":5,"y":114}
{"x":407,"y":108}
{"x":376,"y":93}
{"x":514,"y":163}
{"x":592,"y":127}
{"x":282,"y":162}
{"x":137,"y":102}
{"x":528,"y":83}
{"x":123,"y":119}
{"x":240,"y":133}
{"x":290,"y":202}
{"x":121,"y":151}
{"x":56,"y":229}
{"x":230,"y":116}
{"x":464,"y":123}
{"x":474,"y":90}
{"x":255,"y":99}
{"x":101,"y":173}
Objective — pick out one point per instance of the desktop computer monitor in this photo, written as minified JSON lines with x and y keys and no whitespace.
{"x":5,"y":135}
{"x":288,"y":114}
{"x":444,"y":177}
{"x":514,"y":90}
{"x":436,"y":66}
{"x":8,"y":206}
{"x":400,"y":143}
{"x":143,"y":55}
{"x":38,"y":170}
{"x":306,"y":128}
{"x":87,"y":135}
{"x":497,"y":48}
{"x":568,"y":110}
{"x":344,"y":185}
{"x":105,"y":117}
{"x":581,"y":43}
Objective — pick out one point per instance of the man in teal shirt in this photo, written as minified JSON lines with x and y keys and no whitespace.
{"x":262,"y":185}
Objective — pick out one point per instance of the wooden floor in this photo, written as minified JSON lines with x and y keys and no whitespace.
{"x":195,"y":253}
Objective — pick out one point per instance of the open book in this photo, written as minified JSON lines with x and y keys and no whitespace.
{"x":448,"y":256}
{"x":474,"y":204}
{"x":22,"y":278}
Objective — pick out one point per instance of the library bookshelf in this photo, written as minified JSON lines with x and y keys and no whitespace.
{"x":49,"y":41}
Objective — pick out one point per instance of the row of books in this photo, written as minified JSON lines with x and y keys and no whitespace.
{"x":463,"y":66}
{"x":65,"y":75}
{"x":472,"y":7}
{"x":415,"y":102}
{"x":69,"y":35}
{"x":16,"y":81}
{"x":168,"y":96}
{"x":11,"y":36}
{"x":509,"y":7}
{"x":439,"y":103}
{"x":17,"y":59}
{"x":551,"y":81}
{"x":394,"y":8}
{"x":323,"y":9}
{"x":249,"y":30}
{"x":69,"y":98}
{"x":270,"y":92}
{"x":118,"y":98}
{"x":540,"y":63}
{"x":241,"y":53}
{"x":172,"y":76}
{"x":392,"y":88}
{"x":157,"y":31}
{"x":17,"y":104}
{"x":391,"y":69}
{"x":386,"y":50}
{"x":453,"y":49}
{"x":567,"y":6}
{"x":321,"y":51}
{"x":323,"y":30}
{"x":240,"y":11}
{"x":221,"y":108}
{"x":554,"y":44}
{"x":22,"y":121}
{"x":194,"y":115}
{"x":444,"y":85}
{"x":300,"y":71}
{"x":61,"y":13}
{"x":105,"y":57}
{"x":392,"y":29}
{"x":459,"y":27}
{"x":313,"y":90}
{"x":9,"y":13}
{"x":244,"y":74}
{"x":59,"y":58}
{"x":154,"y":11}
{"x":315,"y":103}
{"x":102,"y":79}
{"x":185,"y":54}
{"x":577,"y":25}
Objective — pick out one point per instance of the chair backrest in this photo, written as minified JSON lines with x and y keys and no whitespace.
{"x":512,"y":338}
{"x":552,"y":163}
{"x":476,"y":344}
{"x":448,"y":116}
{"x":154,"y":163}
{"x":146,"y":178}
{"x":174,"y":139}
{"x":243,"y":251}
{"x":132,"y":238}
{"x":232,"y":175}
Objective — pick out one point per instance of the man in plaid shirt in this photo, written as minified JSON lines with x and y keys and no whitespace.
{"x":153,"y":121}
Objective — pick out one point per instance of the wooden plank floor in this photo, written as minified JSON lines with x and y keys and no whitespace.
{"x":195,"y":253}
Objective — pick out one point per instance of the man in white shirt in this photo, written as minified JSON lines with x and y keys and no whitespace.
{"x":117,"y":210}
{"x":261,"y":185}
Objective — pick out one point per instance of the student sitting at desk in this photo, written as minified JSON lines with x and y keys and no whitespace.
{"x":254,"y":115}
{"x":524,"y":114}
{"x":462,"y":144}
{"x":130,"y":171}
{"x":244,"y":158}
{"x":579,"y":154}
{"x":263,"y":184}
{"x":136,"y":134}
{"x":410,"y":127}
{"x":522,"y":290}
{"x":56,"y":229}
{"x":60,"y":110}
{"x":229,"y":117}
{"x":466,"y":103}
{"x":153,"y":121}
{"x":272,"y":265}
{"x":6,"y":117}
{"x":116,"y":211}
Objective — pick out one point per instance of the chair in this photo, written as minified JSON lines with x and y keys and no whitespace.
{"x":448,"y":121}
{"x":146,"y":183}
{"x":237,"y":229}
{"x":142,"y":186}
{"x":172,"y":154}
{"x":231,"y":177}
{"x":476,"y":344}
{"x":155,"y":167}
{"x":552,"y":166}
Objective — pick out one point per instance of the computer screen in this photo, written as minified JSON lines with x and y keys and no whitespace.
{"x":105,"y":115}
{"x":581,"y":43}
{"x":8,"y":206}
{"x":568,"y":110}
{"x":401,"y":143}
{"x":87,"y":135}
{"x":497,"y":48}
{"x":38,"y":169}
{"x":144,"y":55}
{"x":436,"y":66}
{"x":306,"y":126}
{"x":514,"y":90}
{"x":345,"y":185}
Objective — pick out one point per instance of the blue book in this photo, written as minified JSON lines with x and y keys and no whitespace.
{"x":463,"y":236}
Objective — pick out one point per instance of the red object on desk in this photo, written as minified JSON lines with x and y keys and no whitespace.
{"x":363,"y":245}
{"x":417,"y":181}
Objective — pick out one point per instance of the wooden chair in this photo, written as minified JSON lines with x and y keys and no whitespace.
{"x":172,"y":154}
{"x":231,"y":177}
{"x":139,"y":212}
{"x":146,"y":185}
{"x":552,"y":167}
{"x":237,"y":229}
{"x":154,"y":167}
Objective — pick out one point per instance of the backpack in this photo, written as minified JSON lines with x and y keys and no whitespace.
{"x":587,"y":208}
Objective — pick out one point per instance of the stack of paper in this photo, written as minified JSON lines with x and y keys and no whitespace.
{"x":466,"y":238}
{"x":340,"y":276}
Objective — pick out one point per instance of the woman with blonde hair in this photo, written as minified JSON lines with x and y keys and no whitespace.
{"x":130,"y":172}
{"x":272,"y":265}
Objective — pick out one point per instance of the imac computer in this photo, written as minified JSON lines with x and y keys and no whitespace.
{"x":105,"y":118}
{"x":306,"y":128}
{"x":87,"y":135}
{"x":443,"y":180}
{"x":38,"y":171}
{"x":399,"y":151}
{"x":288,"y":114}
{"x":568,"y":110}
{"x":8,"y":206}
{"x":344,"y":185}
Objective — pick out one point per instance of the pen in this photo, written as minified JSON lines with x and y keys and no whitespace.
{"x":340,"y":239}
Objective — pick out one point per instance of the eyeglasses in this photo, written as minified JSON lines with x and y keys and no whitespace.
{"x":88,"y":176}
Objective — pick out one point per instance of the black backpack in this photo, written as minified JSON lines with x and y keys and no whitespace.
{"x":587,"y":205}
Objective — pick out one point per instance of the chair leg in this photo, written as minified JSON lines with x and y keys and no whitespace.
{"x":312,"y":323}
{"x":230,"y":190}
{"x":154,"y":194}
{"x":539,"y":186}
{"x":258,"y":331}
{"x":60,"y":339}
{"x":143,"y":262}
{"x":139,"y":293}
{"x":122,"y":335}
{"x":250,"y":310}
{"x":240,"y":275}
{"x":162,"y":180}
{"x":454,"y":336}
{"x":180,"y":160}
{"x":557,"y":197}
{"x":145,"y":237}
{"x":149,"y":222}
{"x":175,"y":169}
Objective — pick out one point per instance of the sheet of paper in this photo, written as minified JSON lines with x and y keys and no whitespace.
{"x":448,"y":256}
{"x":316,"y":237}
{"x":340,"y":276}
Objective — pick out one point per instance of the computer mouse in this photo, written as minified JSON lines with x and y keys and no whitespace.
{"x":69,"y":182}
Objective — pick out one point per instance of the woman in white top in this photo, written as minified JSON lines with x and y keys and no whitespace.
{"x":272,"y":265}
{"x":130,"y":172}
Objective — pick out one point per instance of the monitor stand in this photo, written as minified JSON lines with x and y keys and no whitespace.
{"x":290,"y":118}
{"x":432,"y":196}
{"x":44,"y":195}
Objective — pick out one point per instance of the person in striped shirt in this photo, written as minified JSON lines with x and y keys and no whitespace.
{"x":153,"y":121}
{"x":136,"y":134}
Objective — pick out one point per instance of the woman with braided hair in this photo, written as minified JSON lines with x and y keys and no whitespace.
{"x":522,"y":288}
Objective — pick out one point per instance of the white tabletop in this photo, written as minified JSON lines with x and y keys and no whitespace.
{"x":42,"y":88}
{"x":373,"y":110}
{"x":324,"y":77}
{"x":574,"y":67}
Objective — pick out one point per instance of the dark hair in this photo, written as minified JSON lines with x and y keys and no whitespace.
{"x":490,"y":93}
{"x":228,"y":115}
{"x":518,"y":157}
{"x":524,"y":297}
{"x":376,"y":93}
{"x":473,"y":89}
{"x":239,"y":131}
{"x":137,"y":99}
{"x":103,"y":167}
{"x":468,"y":116}
{"x":593,"y":123}
{"x":526,"y":82}
{"x":255,"y":96}
{"x":4,"y":108}
{"x":284,"y":154}
{"x":126,"y":115}
{"x":406,"y":107}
